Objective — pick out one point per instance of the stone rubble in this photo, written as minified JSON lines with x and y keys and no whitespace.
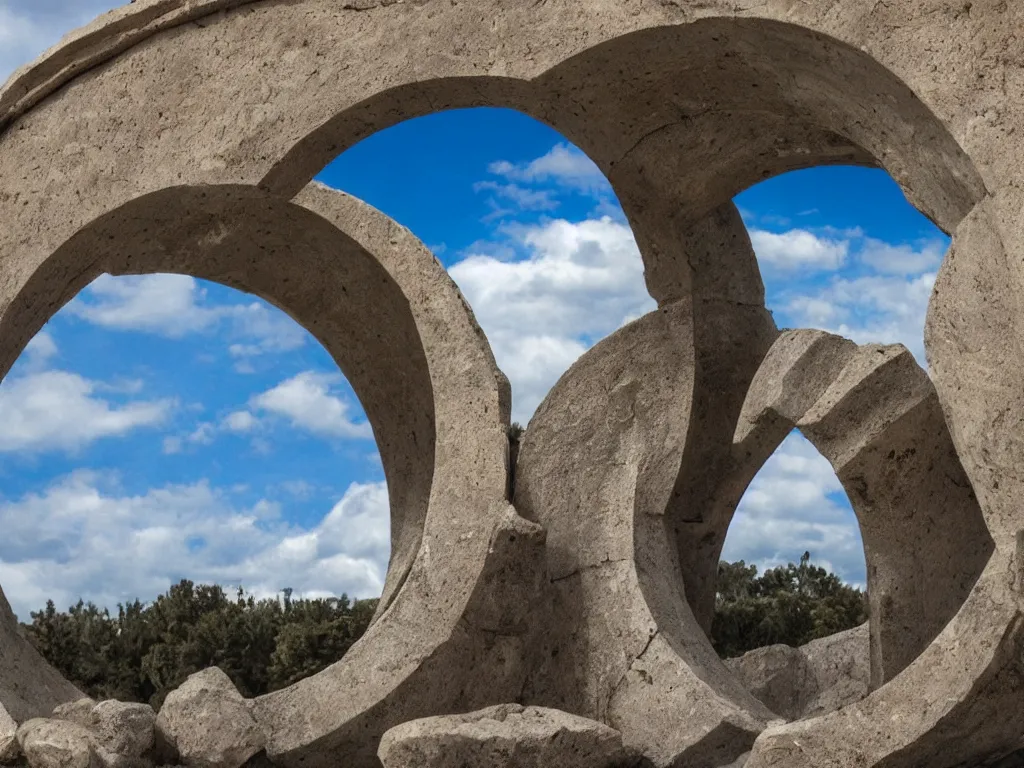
{"x":208,"y":722}
{"x":505,"y":736}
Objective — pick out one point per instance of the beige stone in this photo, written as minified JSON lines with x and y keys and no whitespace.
{"x":505,"y":736}
{"x":57,"y":744}
{"x":78,"y":711}
{"x":182,"y":136}
{"x":841,"y":668}
{"x":874,"y":414}
{"x":208,"y":722}
{"x":9,"y":747}
{"x":29,"y":687}
{"x":779,"y":676}
{"x":124,"y":729}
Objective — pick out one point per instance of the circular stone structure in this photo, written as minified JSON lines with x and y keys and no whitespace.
{"x":113,"y":160}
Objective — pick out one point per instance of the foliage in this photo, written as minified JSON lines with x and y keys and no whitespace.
{"x":146,"y":651}
{"x":792,"y":605}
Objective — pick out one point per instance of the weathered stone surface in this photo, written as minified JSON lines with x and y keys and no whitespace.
{"x":9,"y":747}
{"x":779,"y":676}
{"x":620,"y":642}
{"x":209,"y":723}
{"x":505,"y":736}
{"x":112,"y":159}
{"x":57,"y":744}
{"x":811,"y":680}
{"x":29,"y":687}
{"x":78,"y":711}
{"x":874,"y":414}
{"x":124,"y":729}
{"x":841,"y":669}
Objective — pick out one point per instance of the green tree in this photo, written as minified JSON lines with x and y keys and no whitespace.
{"x":793,"y":604}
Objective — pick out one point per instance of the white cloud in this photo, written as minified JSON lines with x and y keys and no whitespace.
{"x":902,"y":259}
{"x":881,"y":309}
{"x":524,"y":199}
{"x":564,"y":165}
{"x":796,"y":504}
{"x":307,"y":402}
{"x":83,"y":537}
{"x":577,"y":283}
{"x":57,"y":410}
{"x":169,"y":305}
{"x":240,"y":421}
{"x":41,"y":349}
{"x":798,"y":249}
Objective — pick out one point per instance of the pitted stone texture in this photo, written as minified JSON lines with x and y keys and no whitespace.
{"x":209,"y":723}
{"x":874,"y":414}
{"x":779,"y":676}
{"x":928,"y":90}
{"x":620,"y":644}
{"x":79,"y":711}
{"x":9,"y":747}
{"x":811,"y":680}
{"x":57,"y":744}
{"x":840,"y":666}
{"x":505,"y":736}
{"x":29,"y":686}
{"x":125,"y":730}
{"x":959,"y":702}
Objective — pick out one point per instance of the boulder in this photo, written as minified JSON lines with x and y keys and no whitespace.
{"x":9,"y":749}
{"x":840,"y":665}
{"x":78,"y":711}
{"x":57,"y":744}
{"x":124,"y":729}
{"x":505,"y":736}
{"x":208,"y":722}
{"x":779,"y":676}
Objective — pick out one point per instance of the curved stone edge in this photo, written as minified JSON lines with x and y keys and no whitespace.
{"x":29,"y":686}
{"x":469,"y":527}
{"x":874,"y":414}
{"x":459,"y":356}
{"x":597,"y":467}
{"x":97,"y":42}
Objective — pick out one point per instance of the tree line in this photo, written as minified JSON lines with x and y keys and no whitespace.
{"x":144,"y":651}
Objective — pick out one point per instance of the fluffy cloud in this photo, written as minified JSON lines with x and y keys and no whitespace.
{"x":564,"y":165}
{"x":57,"y":410}
{"x":83,"y":537}
{"x":573,"y":284}
{"x":798,"y":249}
{"x":884,"y":309}
{"x":175,"y":306}
{"x":796,"y":504}
{"x":307,"y":402}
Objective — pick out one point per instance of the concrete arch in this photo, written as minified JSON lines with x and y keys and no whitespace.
{"x":387,"y":312}
{"x":927,"y":90}
{"x":874,"y":414}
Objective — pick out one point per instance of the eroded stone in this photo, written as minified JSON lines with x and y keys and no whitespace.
{"x":505,"y":736}
{"x":208,"y":722}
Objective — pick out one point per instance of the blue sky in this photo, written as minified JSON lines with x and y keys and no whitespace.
{"x":162,"y":427}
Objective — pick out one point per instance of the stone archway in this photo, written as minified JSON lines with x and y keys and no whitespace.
{"x":682,"y":106}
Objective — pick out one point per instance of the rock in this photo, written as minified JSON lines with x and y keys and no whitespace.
{"x":209,"y":723}
{"x":779,"y":676}
{"x":9,"y":748}
{"x":29,"y":686}
{"x":57,"y":744}
{"x":505,"y":736}
{"x":78,"y":711}
{"x":841,"y":669}
{"x":124,"y":729}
